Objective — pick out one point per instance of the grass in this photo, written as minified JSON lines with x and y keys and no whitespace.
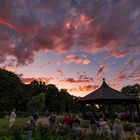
{"x":4,"y":122}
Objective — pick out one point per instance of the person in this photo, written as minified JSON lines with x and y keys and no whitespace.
{"x":93,"y":125}
{"x":76,"y":123}
{"x":118,"y":129}
{"x":35,"y":116}
{"x":12,"y":118}
{"x":53,"y":121}
{"x":68,"y":121}
{"x":104,"y":128}
{"x":47,"y":113}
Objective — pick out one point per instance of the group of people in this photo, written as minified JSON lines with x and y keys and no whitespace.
{"x":102,"y":127}
{"x":97,"y":127}
{"x":73,"y":122}
{"x":12,"y":117}
{"x":68,"y":122}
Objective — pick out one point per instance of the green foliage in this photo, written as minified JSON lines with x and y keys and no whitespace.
{"x":13,"y":93}
{"x":128,"y":126}
{"x":37,"y":137}
{"x":19,"y":120}
{"x":134,"y":137}
{"x":5,"y":138}
{"x":38,"y":102}
{"x":133,"y":90}
{"x":50,"y":134}
{"x":85,"y":124}
{"x":11,"y":90}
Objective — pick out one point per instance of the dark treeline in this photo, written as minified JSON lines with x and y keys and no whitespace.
{"x":14,"y":93}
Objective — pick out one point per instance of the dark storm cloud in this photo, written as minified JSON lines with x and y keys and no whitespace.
{"x":28,"y":26}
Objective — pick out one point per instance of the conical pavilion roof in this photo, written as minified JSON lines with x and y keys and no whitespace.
{"x":105,"y":92}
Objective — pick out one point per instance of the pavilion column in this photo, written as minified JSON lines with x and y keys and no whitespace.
{"x":109,"y":112}
{"x":92,"y":105}
{"x":130,"y":112}
{"x":137,"y":106}
{"x":103,"y":111}
{"x":83,"y":109}
{"x":126,"y":107}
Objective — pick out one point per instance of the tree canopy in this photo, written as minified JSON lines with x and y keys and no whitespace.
{"x":14,"y":93}
{"x":132,"y":90}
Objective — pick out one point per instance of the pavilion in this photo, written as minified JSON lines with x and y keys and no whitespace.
{"x":105,"y":95}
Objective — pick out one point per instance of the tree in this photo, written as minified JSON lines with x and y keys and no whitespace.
{"x":132,"y":90}
{"x":11,"y":88}
{"x":52,"y":102}
{"x":37,"y":102}
{"x":14,"y":93}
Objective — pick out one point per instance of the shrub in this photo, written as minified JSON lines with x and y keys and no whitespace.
{"x":85,"y":123}
{"x":5,"y":138}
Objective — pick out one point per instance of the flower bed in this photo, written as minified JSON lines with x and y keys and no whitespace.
{"x":43,"y":132}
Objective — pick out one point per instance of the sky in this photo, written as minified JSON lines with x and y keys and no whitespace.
{"x":72,"y":43}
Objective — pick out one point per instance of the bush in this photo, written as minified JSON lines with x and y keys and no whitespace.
{"x":42,"y":132}
{"x":85,"y":123}
{"x":128,"y":126}
{"x":5,"y":138}
{"x":3,"y":114}
{"x":134,"y":137}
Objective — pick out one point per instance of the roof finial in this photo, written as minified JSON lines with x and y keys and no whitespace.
{"x":103,"y":79}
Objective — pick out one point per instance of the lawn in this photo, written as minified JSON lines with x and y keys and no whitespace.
{"x":20,"y":120}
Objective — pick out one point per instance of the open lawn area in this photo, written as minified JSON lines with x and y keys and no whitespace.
{"x":20,"y":121}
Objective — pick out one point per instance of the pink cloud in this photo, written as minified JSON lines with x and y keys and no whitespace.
{"x":72,"y":58}
{"x":77,"y":59}
{"x":80,"y":79}
{"x":130,"y":70}
{"x":27,"y":28}
{"x":61,"y":72}
{"x":87,"y":88}
{"x":30,"y":79}
{"x":58,"y":62}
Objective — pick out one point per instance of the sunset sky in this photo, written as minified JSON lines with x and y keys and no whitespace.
{"x":72,"y":43}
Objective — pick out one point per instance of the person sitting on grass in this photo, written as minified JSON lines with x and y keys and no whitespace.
{"x":12,"y":118}
{"x":118,"y":129}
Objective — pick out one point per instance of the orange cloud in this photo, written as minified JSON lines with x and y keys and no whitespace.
{"x":72,"y":58}
{"x":58,"y":63}
{"x":87,"y":88}
{"x":77,"y":59}
{"x":9,"y":68}
{"x":80,"y":79}
{"x":43,"y":79}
